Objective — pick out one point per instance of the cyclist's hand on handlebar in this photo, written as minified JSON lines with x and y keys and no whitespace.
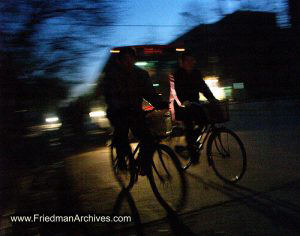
{"x":214,"y":101}
{"x":186,"y":103}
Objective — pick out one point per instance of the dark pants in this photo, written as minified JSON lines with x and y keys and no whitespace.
{"x":191,"y":116}
{"x":122,"y":122}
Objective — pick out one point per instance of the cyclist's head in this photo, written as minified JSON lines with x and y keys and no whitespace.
{"x":188,"y":61}
{"x":127,"y":57}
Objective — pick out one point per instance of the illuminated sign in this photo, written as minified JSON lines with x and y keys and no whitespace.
{"x":152,"y":51}
{"x":238,"y":85}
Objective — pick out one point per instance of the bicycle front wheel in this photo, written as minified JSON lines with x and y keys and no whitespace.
{"x":167,"y":178}
{"x":227,"y":155}
{"x":126,"y":177}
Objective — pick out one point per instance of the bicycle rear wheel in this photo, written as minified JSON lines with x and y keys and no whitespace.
{"x":126,"y":177}
{"x":167,"y":178}
{"x":227,"y":155}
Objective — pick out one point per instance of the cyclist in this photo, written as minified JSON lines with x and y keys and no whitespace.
{"x":188,"y":82}
{"x":125,"y":86}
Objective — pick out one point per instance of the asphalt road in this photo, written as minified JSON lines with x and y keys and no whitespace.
{"x":84,"y":183}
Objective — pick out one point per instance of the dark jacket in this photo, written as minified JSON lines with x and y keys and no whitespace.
{"x":187,"y":87}
{"x":124,"y":91}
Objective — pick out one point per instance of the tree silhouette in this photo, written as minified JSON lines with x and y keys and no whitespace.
{"x":53,"y":36}
{"x":42,"y":43}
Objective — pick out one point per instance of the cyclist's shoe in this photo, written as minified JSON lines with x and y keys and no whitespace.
{"x":144,"y":168}
{"x":144,"y":171}
{"x":121,"y":165}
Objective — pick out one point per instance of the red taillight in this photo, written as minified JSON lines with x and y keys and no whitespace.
{"x":148,"y":108}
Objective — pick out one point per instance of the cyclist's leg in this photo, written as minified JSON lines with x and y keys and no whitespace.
{"x":191,"y":139}
{"x":199,"y":115}
{"x":122,"y":145}
{"x":194,"y":115}
{"x":120,"y":136}
{"x":147,"y":148}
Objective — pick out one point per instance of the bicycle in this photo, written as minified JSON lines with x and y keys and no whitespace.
{"x":166,"y":170}
{"x":225,"y":151}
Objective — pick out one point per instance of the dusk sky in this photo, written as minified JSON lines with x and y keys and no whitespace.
{"x":160,"y":22}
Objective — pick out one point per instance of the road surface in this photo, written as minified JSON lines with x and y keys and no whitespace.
{"x":84,"y":183}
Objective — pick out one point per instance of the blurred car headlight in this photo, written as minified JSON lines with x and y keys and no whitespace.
{"x":97,"y":114}
{"x":52,"y":123}
{"x":53,"y":119}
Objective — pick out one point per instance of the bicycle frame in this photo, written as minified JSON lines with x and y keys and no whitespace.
{"x":136,"y":149}
{"x":203,"y":137}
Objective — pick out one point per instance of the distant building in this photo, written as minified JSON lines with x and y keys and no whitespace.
{"x":249,"y":55}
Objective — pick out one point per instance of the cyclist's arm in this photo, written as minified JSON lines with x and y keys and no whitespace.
{"x":204,"y":89}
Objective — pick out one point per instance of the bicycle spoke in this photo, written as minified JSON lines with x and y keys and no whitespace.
{"x":227,"y":155}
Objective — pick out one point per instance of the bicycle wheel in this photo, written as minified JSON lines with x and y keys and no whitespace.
{"x":167,"y":178}
{"x":227,"y":155}
{"x":127,"y":177}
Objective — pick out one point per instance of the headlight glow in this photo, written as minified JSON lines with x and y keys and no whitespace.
{"x":98,"y":114}
{"x":52,"y":119}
